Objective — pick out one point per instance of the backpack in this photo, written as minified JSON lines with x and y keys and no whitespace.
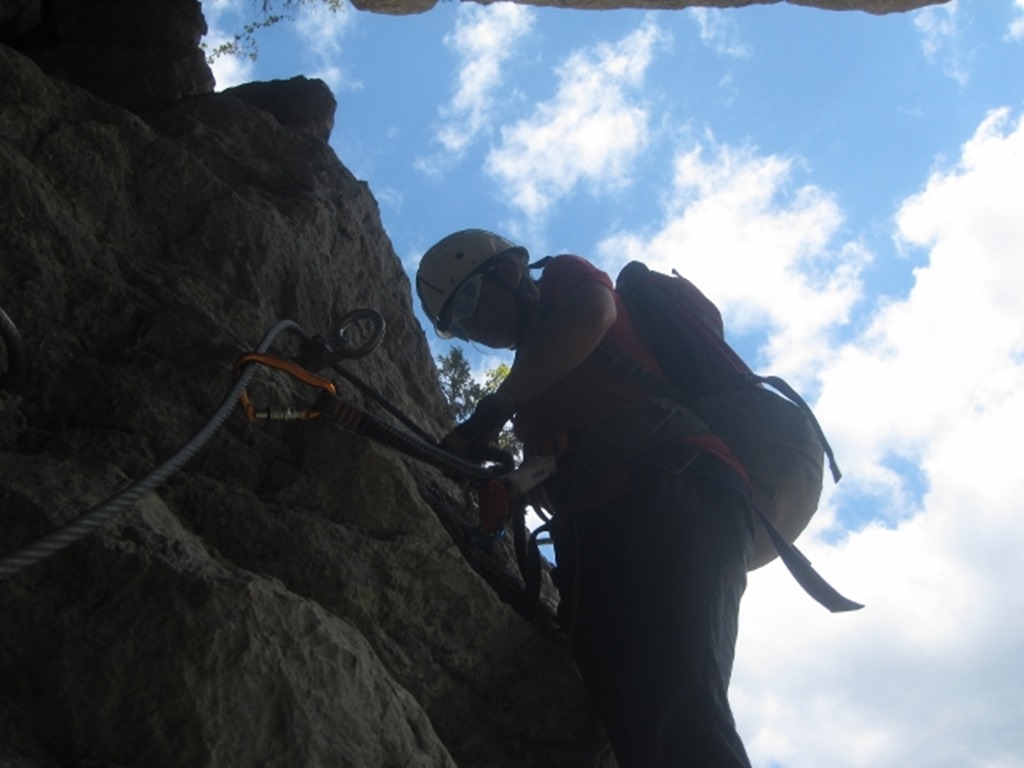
{"x":766,"y":424}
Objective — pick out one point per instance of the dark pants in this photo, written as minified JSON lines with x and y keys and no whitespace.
{"x":651,"y":586}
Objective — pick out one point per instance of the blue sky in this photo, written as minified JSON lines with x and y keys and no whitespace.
{"x":850,"y":190}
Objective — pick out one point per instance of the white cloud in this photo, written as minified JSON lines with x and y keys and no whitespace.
{"x":228,"y":71}
{"x":961,"y":323}
{"x":720,"y":31}
{"x":1017,"y":25}
{"x":390,"y":197}
{"x":484,"y":39}
{"x":758,"y":246}
{"x":590,"y":132}
{"x":940,"y":39}
{"x":319,"y":28}
{"x":322,"y":30}
{"x":928,"y":674}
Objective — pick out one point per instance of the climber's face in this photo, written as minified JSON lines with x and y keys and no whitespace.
{"x":484,"y":308}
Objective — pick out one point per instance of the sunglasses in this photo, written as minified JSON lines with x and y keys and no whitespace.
{"x":464,"y":303}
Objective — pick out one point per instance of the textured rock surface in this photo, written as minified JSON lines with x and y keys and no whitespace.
{"x":303,"y":104}
{"x":399,"y":7}
{"x":290,"y":598}
{"x":141,"y":54}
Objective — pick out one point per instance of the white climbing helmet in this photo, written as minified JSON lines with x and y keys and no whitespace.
{"x":454,"y":258}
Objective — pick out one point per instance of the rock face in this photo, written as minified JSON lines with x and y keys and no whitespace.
{"x":297,"y":595}
{"x":141,"y":54}
{"x":399,"y":7}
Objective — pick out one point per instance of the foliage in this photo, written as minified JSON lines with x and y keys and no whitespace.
{"x":460,"y":389}
{"x":463,"y":391}
{"x":495,"y":376}
{"x":244,"y":43}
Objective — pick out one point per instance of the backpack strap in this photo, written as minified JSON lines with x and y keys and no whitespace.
{"x":780,"y":385}
{"x":800,"y":567}
{"x":626,"y":366}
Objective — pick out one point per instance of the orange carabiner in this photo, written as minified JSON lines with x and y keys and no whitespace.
{"x":289,"y":367}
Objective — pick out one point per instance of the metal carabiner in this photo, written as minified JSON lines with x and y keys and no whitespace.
{"x":287,"y":413}
{"x":356,"y":320}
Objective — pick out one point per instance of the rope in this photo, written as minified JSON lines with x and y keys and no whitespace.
{"x":317,"y":354}
{"x":58,"y":539}
{"x":370,"y":392}
{"x":360,"y":422}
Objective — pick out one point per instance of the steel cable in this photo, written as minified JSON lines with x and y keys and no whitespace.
{"x":16,"y":355}
{"x":17,"y":559}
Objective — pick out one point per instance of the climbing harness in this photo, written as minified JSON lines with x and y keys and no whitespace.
{"x":496,"y":490}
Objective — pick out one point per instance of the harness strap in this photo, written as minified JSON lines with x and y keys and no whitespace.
{"x":791,"y":394}
{"x":797,"y":564}
{"x":630,"y":431}
{"x":626,"y":366}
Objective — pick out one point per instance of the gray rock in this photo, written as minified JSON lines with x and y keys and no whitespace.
{"x":139,"y":54}
{"x":296,"y":595}
{"x":300,"y":103}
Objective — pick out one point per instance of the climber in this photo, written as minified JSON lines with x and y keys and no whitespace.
{"x":653,"y":528}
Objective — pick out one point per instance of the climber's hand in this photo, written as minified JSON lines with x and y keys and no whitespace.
{"x":471,"y":438}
